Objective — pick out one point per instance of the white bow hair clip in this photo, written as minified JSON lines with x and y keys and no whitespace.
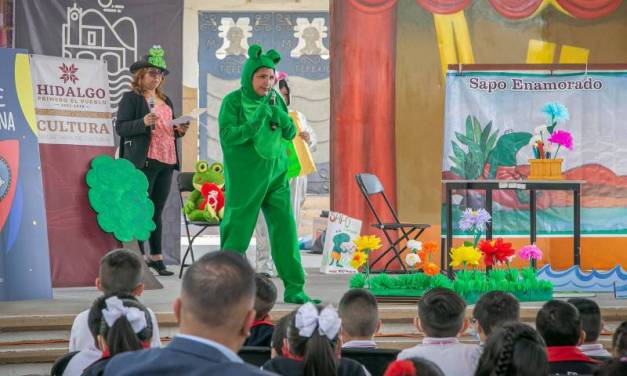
{"x":116,"y":309}
{"x":308,"y":318}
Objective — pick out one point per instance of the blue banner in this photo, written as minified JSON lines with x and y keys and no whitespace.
{"x":24,"y":257}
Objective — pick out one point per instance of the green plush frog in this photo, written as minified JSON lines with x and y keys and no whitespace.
{"x":206,"y":202}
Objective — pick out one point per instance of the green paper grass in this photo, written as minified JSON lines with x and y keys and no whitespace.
{"x":470,"y":284}
{"x":118,"y":193}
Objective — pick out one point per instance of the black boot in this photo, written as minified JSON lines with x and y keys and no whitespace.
{"x":159,"y":267}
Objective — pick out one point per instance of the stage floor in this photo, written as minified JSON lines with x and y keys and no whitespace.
{"x":326,"y":287}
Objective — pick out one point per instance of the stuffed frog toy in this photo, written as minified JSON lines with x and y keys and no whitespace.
{"x":206,"y":202}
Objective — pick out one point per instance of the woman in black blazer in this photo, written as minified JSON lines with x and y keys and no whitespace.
{"x":148,"y":139}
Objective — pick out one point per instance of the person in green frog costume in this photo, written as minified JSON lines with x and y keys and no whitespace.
{"x":208,"y":181}
{"x":255,"y":129}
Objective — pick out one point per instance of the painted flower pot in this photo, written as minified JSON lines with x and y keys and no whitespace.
{"x":545,"y":169}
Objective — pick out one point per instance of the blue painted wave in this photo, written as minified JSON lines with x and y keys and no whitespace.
{"x":573,"y":279}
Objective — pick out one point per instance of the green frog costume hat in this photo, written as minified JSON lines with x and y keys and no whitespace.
{"x":255,"y":169}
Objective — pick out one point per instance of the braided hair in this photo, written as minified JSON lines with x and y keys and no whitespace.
{"x":514,"y":350}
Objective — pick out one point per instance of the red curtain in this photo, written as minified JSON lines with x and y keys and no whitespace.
{"x":517,"y":9}
{"x":589,"y":9}
{"x":363,"y":41}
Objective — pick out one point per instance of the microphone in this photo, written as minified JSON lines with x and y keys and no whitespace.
{"x":272,"y":102}
{"x":151,"y":106}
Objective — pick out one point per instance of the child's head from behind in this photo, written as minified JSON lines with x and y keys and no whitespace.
{"x":360,"y":314}
{"x":513,"y":349}
{"x":559,"y":323}
{"x":590,"y":317}
{"x":441,"y":313}
{"x":265,"y":296}
{"x":279,"y":334}
{"x":119,"y":323}
{"x":120,"y":273}
{"x":619,"y":341}
{"x":495,"y":308}
{"x":313,"y":335}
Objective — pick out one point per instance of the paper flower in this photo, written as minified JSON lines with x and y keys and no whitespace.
{"x":431,"y":269}
{"x":358,"y":259}
{"x":412,"y":259}
{"x":429,"y":247}
{"x":529,"y":252}
{"x":369,"y":242}
{"x":556,"y":112}
{"x":414,"y":245}
{"x":562,"y":138}
{"x":465,"y":255}
{"x":495,"y":251}
{"x":475,"y":220}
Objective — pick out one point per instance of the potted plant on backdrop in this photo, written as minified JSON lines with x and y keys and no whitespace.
{"x":546,"y":143}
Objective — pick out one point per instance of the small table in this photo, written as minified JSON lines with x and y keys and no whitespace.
{"x":530,"y":185}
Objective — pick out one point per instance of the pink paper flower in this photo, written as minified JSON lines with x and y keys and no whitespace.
{"x":530,"y":252}
{"x":562,"y":138}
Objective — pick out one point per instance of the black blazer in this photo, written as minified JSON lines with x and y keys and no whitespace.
{"x":181,"y":357}
{"x":134,"y":134}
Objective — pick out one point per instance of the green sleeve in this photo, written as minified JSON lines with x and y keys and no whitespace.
{"x":232,"y":130}
{"x":288,"y":128}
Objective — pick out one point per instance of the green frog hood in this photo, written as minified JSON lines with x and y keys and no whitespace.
{"x":255,"y":61}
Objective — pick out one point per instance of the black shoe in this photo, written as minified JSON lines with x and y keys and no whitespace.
{"x":159,"y":267}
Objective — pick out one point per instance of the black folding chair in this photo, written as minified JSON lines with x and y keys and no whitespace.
{"x":185,"y":183}
{"x":375,"y":360}
{"x":370,"y":185}
{"x":255,"y":355}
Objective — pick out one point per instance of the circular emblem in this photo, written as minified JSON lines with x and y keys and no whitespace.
{"x":5,"y":178}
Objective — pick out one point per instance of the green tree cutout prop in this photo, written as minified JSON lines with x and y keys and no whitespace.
{"x":118,"y":192}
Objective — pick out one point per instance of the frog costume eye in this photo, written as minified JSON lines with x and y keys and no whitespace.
{"x":202,"y":166}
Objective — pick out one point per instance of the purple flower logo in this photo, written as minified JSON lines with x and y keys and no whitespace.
{"x":68,"y":73}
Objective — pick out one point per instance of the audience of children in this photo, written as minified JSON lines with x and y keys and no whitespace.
{"x":309,"y":340}
{"x":312,"y":346}
{"x":120,"y":273}
{"x":265,"y":297}
{"x":513,"y":349}
{"x":214,"y":311}
{"x":118,"y":324}
{"x":413,"y":367}
{"x":492,"y":310}
{"x":441,"y":317}
{"x":592,"y":326}
{"x":359,"y":312}
{"x":559,"y":323}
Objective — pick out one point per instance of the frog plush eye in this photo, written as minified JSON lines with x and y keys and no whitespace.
{"x":217,"y":167}
{"x":202,"y":166}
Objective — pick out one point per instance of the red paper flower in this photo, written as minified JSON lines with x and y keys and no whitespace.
{"x":495,"y":251}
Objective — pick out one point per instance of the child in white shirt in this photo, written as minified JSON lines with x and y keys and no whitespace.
{"x":441,"y":318}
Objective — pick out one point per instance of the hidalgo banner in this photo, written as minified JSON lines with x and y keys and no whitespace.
{"x":74,"y":126}
{"x":24,"y":260}
{"x":494,"y":118}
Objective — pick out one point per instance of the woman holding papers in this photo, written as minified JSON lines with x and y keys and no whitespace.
{"x":148,"y":139}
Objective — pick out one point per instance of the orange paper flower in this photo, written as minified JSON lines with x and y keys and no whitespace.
{"x":431,"y":269}
{"x":430,"y":247}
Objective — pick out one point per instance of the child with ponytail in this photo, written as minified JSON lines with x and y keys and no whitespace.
{"x":118,"y":323}
{"x":312,"y":347}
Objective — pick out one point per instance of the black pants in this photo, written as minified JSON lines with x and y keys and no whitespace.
{"x":159,"y":177}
